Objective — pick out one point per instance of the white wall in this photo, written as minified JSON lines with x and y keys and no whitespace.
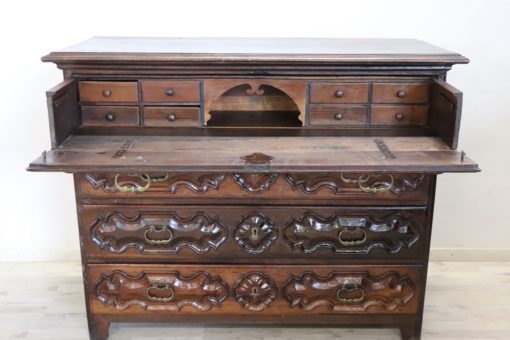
{"x":38,"y":219}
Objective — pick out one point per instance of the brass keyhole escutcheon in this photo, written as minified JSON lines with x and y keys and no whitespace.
{"x":254,"y":292}
{"x":255,"y":233}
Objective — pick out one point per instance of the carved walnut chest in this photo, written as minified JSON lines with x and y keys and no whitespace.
{"x":270,"y":181}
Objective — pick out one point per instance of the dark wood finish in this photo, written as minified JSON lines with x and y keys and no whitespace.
{"x":108,"y":92}
{"x":332,"y":115}
{"x":155,"y":116}
{"x":446,"y":110}
{"x":63,"y":111}
{"x":110,"y":116}
{"x":339,"y":93}
{"x":173,"y":91}
{"x":387,"y":93}
{"x":402,"y":115}
{"x":262,"y":181}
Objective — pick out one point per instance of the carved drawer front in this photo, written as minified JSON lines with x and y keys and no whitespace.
{"x":336,"y":93}
{"x":316,"y":188}
{"x":171,"y":91}
{"x":108,"y":91}
{"x":110,"y":116}
{"x":405,"y":115}
{"x":171,"y":116}
{"x":212,"y":233}
{"x":281,"y":290}
{"x":338,"y":115}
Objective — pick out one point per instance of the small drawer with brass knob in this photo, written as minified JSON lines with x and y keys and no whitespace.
{"x":338,"y":93}
{"x":335,"y":115}
{"x":108,"y":91}
{"x":171,"y":91}
{"x":110,"y":115}
{"x":405,"y":115}
{"x":400,"y":93}
{"x":168,"y":116}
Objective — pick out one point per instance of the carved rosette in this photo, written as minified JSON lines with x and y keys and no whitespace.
{"x":349,"y":292}
{"x":255,"y":182}
{"x":355,"y":183}
{"x":351,"y":234}
{"x":158,"y":233}
{"x":198,"y":183}
{"x":255,"y":233}
{"x":255,"y":291}
{"x":161,"y":291}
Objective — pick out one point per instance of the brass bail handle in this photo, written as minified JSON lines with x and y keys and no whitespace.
{"x":158,"y":229}
{"x":350,"y":243}
{"x":350,"y":289}
{"x":130,"y":188}
{"x":160,"y":287}
{"x":378,"y":186}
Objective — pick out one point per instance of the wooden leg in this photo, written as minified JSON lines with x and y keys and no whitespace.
{"x":411,"y":331}
{"x":98,"y":327}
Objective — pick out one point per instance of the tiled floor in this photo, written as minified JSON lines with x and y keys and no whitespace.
{"x":465,"y":300}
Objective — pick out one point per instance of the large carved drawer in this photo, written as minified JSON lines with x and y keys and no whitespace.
{"x":246,"y":233}
{"x":282,"y":291}
{"x":338,"y":188}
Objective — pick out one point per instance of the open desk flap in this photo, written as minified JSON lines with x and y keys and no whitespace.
{"x":82,"y":153}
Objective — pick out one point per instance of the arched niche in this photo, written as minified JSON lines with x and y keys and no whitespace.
{"x":254,"y":103}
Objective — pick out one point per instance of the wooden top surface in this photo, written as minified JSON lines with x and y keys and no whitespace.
{"x":252,"y":50}
{"x":82,"y":153}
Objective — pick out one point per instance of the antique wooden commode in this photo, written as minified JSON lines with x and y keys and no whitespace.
{"x":271,"y":181}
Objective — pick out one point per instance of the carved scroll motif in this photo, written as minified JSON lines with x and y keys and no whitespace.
{"x":349,"y":292}
{"x":255,"y":182}
{"x":355,"y":183}
{"x":158,"y":233}
{"x":161,"y":291}
{"x":255,"y":291}
{"x":255,"y":233}
{"x":198,"y":183}
{"x":348,"y":234}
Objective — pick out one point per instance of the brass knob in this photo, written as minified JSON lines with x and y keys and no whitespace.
{"x":110,"y":117}
{"x":339,"y":116}
{"x":171,"y":117}
{"x":107,"y":93}
{"x":401,"y":94}
{"x":339,"y":93}
{"x":169,"y":92}
{"x":399,"y":117}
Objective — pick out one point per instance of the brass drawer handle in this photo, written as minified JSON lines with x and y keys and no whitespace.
{"x":158,"y":229}
{"x":399,"y":117}
{"x":160,"y":287}
{"x":360,"y":179}
{"x":131,"y":188}
{"x":339,"y":116}
{"x":350,"y":243}
{"x":107,"y":93}
{"x":347,"y":289}
{"x":171,"y":117}
{"x":169,"y":92}
{"x":339,"y":93}
{"x":378,"y":186}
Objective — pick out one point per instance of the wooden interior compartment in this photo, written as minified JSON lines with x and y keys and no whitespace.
{"x":108,"y":91}
{"x":171,"y":116}
{"x":110,"y":115}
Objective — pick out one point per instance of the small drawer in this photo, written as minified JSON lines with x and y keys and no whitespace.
{"x":383,"y":93}
{"x":415,"y":115}
{"x":110,"y":115}
{"x":171,"y":116}
{"x":171,"y":91}
{"x":338,"y":115}
{"x":108,"y":92}
{"x":339,"y":93}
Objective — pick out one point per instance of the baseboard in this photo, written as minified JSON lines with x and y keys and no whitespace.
{"x":469,"y":254}
{"x":436,"y":254}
